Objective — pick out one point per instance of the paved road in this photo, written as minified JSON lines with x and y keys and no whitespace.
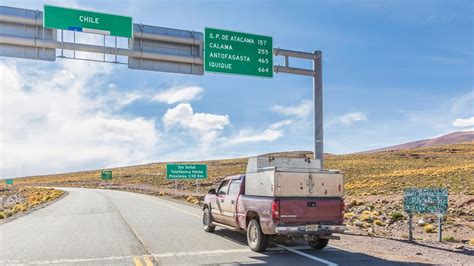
{"x":103,"y":227}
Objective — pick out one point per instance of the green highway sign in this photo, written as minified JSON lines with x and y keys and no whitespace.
{"x":87,"y":21}
{"x":106,"y":175}
{"x":425,"y":200}
{"x":9,"y":181}
{"x":233,"y":52}
{"x":186,"y":171}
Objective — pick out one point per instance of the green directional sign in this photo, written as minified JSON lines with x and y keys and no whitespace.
{"x":186,"y":171}
{"x":106,"y":175}
{"x":87,"y":21}
{"x":425,"y":200}
{"x":9,"y":181}
{"x":233,"y":52}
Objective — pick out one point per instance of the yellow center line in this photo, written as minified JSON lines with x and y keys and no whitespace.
{"x":137,"y":261}
{"x":147,"y":260}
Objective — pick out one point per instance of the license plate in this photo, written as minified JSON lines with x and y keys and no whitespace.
{"x":312,"y":228}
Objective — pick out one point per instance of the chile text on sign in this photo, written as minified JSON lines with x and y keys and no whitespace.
{"x":238,"y":53}
{"x":186,"y":171}
{"x":87,"y":21}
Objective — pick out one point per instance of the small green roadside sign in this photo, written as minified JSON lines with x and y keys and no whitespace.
{"x":186,"y":171}
{"x":238,"y":53}
{"x":9,"y":181}
{"x":106,"y":175}
{"x":425,"y":200}
{"x":87,"y":21}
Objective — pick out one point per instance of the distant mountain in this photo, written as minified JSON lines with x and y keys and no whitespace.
{"x":452,"y":138}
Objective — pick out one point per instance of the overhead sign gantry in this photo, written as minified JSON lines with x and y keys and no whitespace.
{"x":32,"y":34}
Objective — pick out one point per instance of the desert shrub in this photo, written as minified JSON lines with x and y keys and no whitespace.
{"x":161,"y":194}
{"x":349,"y":215}
{"x":449,"y":239}
{"x":365,"y":217}
{"x":396,"y":215}
{"x":192,"y":200}
{"x":3,"y":215}
{"x":355,"y":202}
{"x":471,"y":242}
{"x":378,"y":222}
{"x":429,"y":228}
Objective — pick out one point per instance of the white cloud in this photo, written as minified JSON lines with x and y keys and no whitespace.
{"x":272,"y":133}
{"x":302,"y":109}
{"x":57,"y":120}
{"x":208,"y":126}
{"x":350,"y":118}
{"x":179,"y":95}
{"x":460,"y":122}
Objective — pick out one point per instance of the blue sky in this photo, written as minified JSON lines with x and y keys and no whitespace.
{"x":394,"y":71}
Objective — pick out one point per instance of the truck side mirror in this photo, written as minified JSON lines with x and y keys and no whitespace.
{"x":212,"y":191}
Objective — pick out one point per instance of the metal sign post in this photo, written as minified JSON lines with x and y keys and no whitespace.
{"x":425,"y":200}
{"x":410,"y":227}
{"x":317,"y":74}
{"x":440,"y":229}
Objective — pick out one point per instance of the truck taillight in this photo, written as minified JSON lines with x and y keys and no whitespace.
{"x":276,"y":209}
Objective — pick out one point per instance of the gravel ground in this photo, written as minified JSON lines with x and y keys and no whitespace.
{"x":403,"y":251}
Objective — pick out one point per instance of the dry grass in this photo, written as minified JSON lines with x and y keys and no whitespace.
{"x":396,"y":215}
{"x":192,"y":200}
{"x":29,"y":197}
{"x":429,"y":228}
{"x":382,"y":173}
{"x":378,"y":222}
{"x":349,"y":215}
{"x":390,"y":172}
{"x":449,"y":239}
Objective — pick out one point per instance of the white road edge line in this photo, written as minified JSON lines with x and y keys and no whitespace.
{"x":197,"y":253}
{"x":62,"y":261}
{"x":308,"y":256}
{"x":343,"y":249}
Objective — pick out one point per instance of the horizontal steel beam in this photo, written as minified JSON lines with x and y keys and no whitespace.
{"x":23,"y":20}
{"x":137,"y":34}
{"x":297,"y":54}
{"x":294,"y":70}
{"x":35,"y":42}
{"x":167,"y":38}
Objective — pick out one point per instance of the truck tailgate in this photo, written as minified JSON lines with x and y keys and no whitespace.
{"x":311,"y":210}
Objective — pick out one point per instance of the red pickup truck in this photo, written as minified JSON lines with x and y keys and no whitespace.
{"x":284,"y":214}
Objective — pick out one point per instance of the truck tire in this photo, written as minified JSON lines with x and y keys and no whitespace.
{"x":256,"y":239}
{"x":207,"y":221}
{"x":318,"y":244}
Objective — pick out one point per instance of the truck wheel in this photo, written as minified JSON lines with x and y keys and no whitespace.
{"x":255,"y":238}
{"x":207,"y":221}
{"x":318,"y":244}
